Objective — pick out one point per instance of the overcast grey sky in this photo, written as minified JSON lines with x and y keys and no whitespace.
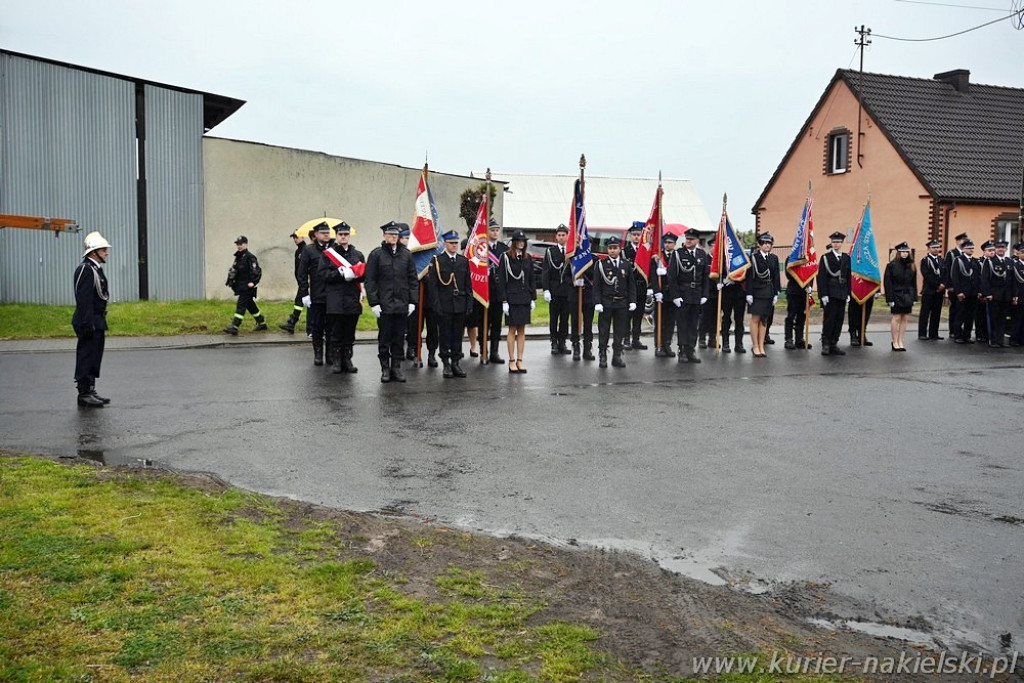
{"x":714,"y":91}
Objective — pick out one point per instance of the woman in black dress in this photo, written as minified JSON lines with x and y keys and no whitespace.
{"x":900,"y":284}
{"x":762,"y":285}
{"x":518,"y":294}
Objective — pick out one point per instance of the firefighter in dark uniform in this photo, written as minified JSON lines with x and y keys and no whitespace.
{"x":834,"y":292}
{"x":556,"y":282}
{"x":997,"y":293}
{"x":982,"y":319}
{"x":614,"y":291}
{"x":709,"y":311}
{"x":293,"y":319}
{"x":243,"y":277}
{"x":659,"y":273}
{"x":450,"y":293}
{"x":314,"y":293}
{"x":734,"y":308}
{"x":90,"y":319}
{"x":796,"y":312}
{"x":932,"y":293}
{"x":392,"y":290}
{"x":492,"y":315}
{"x":636,"y":316}
{"x":1017,"y":308}
{"x":583,"y":284}
{"x":342,"y":288}
{"x":413,"y":332}
{"x":965,"y":281}
{"x":687,"y":290}
{"x":947,"y":279}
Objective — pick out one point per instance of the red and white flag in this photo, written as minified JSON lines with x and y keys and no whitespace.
{"x":478,"y":253}
{"x":340,"y":262}
{"x":650,"y":238}
{"x":423,"y":233}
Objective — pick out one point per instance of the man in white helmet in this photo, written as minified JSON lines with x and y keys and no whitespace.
{"x":90,"y":319}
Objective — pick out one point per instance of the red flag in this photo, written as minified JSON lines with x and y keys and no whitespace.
{"x":423,"y":234}
{"x":339,"y":261}
{"x":650,"y":238}
{"x":477,"y":251}
{"x":802,"y":264}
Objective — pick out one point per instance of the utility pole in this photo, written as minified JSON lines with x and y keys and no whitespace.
{"x":862,"y":42}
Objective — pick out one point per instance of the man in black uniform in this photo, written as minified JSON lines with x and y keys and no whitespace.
{"x":90,"y":319}
{"x":585,"y":285}
{"x":391,"y":290}
{"x":709,"y":311}
{"x":932,"y":293}
{"x":636,"y":316}
{"x":687,"y":290}
{"x":243,"y":277}
{"x":1017,"y":309}
{"x":734,"y":308}
{"x":614,"y":290}
{"x":796,"y":312}
{"x":982,"y":321}
{"x":314,"y":293}
{"x":997,"y":293}
{"x":556,"y":281}
{"x":947,"y":279}
{"x":492,"y":315}
{"x":341,"y":298}
{"x":659,"y":271}
{"x":834,"y":290}
{"x":293,"y":319}
{"x":450,"y":294}
{"x":965,"y":279}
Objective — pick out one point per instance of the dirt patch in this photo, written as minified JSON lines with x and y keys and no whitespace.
{"x":649,"y":618}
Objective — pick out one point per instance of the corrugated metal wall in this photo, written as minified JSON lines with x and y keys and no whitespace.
{"x":174,"y":194}
{"x":67,"y":150}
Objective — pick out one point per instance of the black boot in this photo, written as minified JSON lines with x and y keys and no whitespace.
{"x":103,"y":400}
{"x":691,"y":357}
{"x":854,"y":339}
{"x":493,"y":357}
{"x":456,"y":368}
{"x":86,"y":398}
{"x":385,"y":371}
{"x":231,"y":329}
{"x":725,"y":344}
{"x":617,"y":361}
{"x":431,"y":360}
{"x":448,"y":372}
{"x":739,"y":344}
{"x":603,"y":354}
{"x":702,"y":342}
{"x":836,"y":351}
{"x":410,"y":353}
{"x":562,"y":348}
{"x":346,"y":360}
{"x":789,"y":334}
{"x":289,"y":324}
{"x":826,"y":347}
{"x":318,"y":355}
{"x":575,"y":350}
{"x":328,"y":354}
{"x":396,"y":370}
{"x":554,"y":347}
{"x":588,"y":351}
{"x":337,"y":366}
{"x":637,"y":345}
{"x":261,"y":324}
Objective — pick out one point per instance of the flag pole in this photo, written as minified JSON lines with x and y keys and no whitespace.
{"x":484,"y":357}
{"x":807,"y":299}
{"x":420,"y":315}
{"x":656,"y":244}
{"x":720,"y":246}
{"x":579,"y":290}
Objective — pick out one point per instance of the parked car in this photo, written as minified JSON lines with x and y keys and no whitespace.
{"x":537,"y":251}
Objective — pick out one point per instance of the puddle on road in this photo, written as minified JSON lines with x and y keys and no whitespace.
{"x":880,"y":630}
{"x":114,"y":460}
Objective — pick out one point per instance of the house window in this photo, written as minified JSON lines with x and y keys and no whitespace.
{"x":838,"y":153}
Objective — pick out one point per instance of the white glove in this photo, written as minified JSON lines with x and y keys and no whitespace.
{"x":533,"y":305}
{"x":547,"y":295}
{"x":412,"y":307}
{"x":632,"y":306}
{"x":376,"y":310}
{"x":658,"y":297}
{"x":808,"y":289}
{"x":892,"y":304}
{"x":678,"y":301}
{"x":650,"y":292}
{"x":719,"y":286}
{"x":824,"y":301}
{"x":728,"y":282}
{"x":348,"y":274}
{"x":578,"y":283}
{"x":307,"y":301}
{"x":775,"y":299}
{"x":662,"y":271}
{"x":847,"y":299}
{"x":504,"y":307}
{"x":750,"y":299}
{"x":599,"y":308}
{"x":703,"y":300}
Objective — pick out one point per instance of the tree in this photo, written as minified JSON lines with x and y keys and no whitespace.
{"x":469,"y":203}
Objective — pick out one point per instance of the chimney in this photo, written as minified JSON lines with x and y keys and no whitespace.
{"x":958,"y":78}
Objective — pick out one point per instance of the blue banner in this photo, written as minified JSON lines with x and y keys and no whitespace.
{"x":583,"y":257}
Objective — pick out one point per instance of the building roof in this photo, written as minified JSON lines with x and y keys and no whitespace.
{"x":964,"y":141}
{"x":216,"y":108}
{"x":542,"y":201}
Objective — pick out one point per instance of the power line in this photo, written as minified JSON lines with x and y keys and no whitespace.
{"x":1019,"y":14}
{"x":946,"y":4}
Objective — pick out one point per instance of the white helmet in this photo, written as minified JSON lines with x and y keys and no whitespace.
{"x":94,"y":241}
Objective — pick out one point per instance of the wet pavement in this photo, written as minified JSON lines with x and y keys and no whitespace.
{"x":894,"y":478}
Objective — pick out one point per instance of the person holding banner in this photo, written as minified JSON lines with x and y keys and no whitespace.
{"x":492,"y":315}
{"x":517,"y":293}
{"x":614,"y":290}
{"x":900,"y":284}
{"x":451,"y":298}
{"x":392,"y":289}
{"x":734,"y":304}
{"x":659,"y":266}
{"x":834,"y":289}
{"x":796,"y":310}
{"x":341,"y":268}
{"x":556,"y":281}
{"x":314,"y":293}
{"x":687,"y":289}
{"x":586,"y":335}
{"x":762,"y":291}
{"x":636,"y":316}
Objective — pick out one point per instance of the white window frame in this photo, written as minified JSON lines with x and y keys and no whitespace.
{"x":837,"y":158}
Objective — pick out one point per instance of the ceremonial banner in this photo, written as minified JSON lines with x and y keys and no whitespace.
{"x":582,"y":257}
{"x":802,"y":264}
{"x":478,"y":253}
{"x":866,"y":278}
{"x":650,"y":238}
{"x":340,"y":262}
{"x":424,"y":241}
{"x":729,"y":259}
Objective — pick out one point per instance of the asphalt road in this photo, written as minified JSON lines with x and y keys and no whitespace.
{"x":895,"y":478}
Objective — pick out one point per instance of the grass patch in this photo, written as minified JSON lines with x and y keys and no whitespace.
{"x":162,"y":318}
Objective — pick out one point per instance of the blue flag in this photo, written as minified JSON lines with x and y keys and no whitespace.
{"x":582,"y":257}
{"x":866,"y":278}
{"x":425,"y":219}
